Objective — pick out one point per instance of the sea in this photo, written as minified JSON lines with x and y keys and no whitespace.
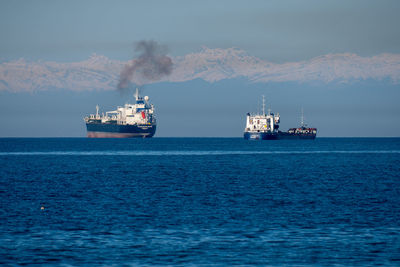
{"x":199,"y":202}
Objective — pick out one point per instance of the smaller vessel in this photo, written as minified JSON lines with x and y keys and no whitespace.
{"x":265,"y":126}
{"x":132,"y":120}
{"x":302,"y":132}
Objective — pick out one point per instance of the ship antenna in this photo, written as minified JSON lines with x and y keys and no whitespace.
{"x":263,"y":105}
{"x":302,"y":117}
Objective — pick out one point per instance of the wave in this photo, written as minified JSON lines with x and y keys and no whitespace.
{"x":189,"y":152}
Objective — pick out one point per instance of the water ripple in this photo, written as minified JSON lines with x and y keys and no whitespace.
{"x":189,"y":153}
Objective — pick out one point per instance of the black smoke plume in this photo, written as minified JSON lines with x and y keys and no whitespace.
{"x":151,"y":65}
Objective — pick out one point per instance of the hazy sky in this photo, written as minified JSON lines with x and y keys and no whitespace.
{"x":278,"y":31}
{"x":274,"y":30}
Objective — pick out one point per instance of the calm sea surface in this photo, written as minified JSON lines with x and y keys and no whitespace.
{"x":200,"y":201}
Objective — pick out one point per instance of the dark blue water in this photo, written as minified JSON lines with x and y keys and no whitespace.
{"x":200,"y":201}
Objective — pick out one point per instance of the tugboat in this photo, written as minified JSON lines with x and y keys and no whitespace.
{"x":132,"y":120}
{"x":265,"y":126}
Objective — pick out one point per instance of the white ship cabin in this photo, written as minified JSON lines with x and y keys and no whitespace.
{"x":262,"y":122}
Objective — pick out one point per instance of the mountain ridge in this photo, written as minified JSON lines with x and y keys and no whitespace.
{"x":99,"y":72}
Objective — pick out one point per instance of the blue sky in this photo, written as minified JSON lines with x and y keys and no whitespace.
{"x":274,"y":31}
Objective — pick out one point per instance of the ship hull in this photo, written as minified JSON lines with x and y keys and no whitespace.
{"x":108,"y":130}
{"x":260,"y":136}
{"x":294,"y":136}
{"x":277,"y":136}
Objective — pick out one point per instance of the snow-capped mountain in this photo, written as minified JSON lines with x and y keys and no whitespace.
{"x":101,"y":73}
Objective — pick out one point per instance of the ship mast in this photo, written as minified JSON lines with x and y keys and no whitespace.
{"x":302,"y":117}
{"x":137,"y":94}
{"x":263,"y":105}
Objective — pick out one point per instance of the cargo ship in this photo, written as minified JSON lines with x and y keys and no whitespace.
{"x":131,"y":120}
{"x":265,"y":126}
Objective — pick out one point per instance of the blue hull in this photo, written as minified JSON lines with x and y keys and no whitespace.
{"x":260,"y":136}
{"x":286,"y":136}
{"x":104,"y":130}
{"x":276,"y":136}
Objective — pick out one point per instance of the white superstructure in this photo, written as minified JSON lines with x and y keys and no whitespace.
{"x":262,"y":122}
